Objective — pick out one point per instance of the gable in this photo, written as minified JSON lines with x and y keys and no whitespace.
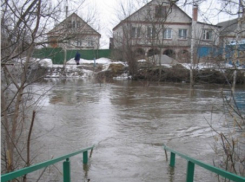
{"x":148,"y":13}
{"x":73,"y":23}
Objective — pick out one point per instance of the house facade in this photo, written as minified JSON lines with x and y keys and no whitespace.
{"x":233,"y":30}
{"x":232,"y":39}
{"x":74,"y":33}
{"x":162,"y":27}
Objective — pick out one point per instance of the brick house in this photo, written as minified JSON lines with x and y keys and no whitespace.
{"x":162,"y":27}
{"x":75,"y":32}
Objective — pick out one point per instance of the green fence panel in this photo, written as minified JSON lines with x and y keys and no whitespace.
{"x":23,"y":171}
{"x":57,"y":54}
{"x":192,"y":162}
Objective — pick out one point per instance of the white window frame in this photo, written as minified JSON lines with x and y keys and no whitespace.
{"x":183,"y":33}
{"x":151,"y":32}
{"x":135,"y":32}
{"x":79,"y":42}
{"x":207,"y":34}
{"x":90,"y":42}
{"x":167,"y":33}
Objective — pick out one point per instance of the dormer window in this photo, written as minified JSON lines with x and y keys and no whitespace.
{"x":160,"y":11}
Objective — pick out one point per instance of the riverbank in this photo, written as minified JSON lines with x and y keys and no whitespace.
{"x":105,"y":69}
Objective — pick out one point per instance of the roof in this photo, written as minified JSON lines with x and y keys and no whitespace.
{"x":74,"y":14}
{"x":120,"y":23}
{"x":228,"y":26}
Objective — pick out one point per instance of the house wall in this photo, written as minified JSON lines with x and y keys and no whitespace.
{"x":176,"y":20}
{"x":200,"y":27}
{"x":76,"y":33}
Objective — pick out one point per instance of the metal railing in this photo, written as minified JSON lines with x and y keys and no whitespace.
{"x":191,"y":165}
{"x":66,"y":166}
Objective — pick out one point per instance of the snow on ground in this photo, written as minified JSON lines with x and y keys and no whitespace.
{"x":74,"y":70}
{"x":46,"y":63}
{"x":84,"y":61}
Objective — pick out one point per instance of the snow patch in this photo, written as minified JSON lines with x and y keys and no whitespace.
{"x":46,"y":63}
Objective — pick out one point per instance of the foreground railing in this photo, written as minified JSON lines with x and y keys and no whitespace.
{"x":191,"y":165}
{"x":66,"y":166}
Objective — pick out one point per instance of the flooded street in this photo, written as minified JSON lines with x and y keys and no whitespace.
{"x":128,"y":123}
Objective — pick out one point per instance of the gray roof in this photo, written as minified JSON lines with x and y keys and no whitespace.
{"x":229,"y":26}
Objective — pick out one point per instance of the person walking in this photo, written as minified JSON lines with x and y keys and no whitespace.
{"x":77,"y":57}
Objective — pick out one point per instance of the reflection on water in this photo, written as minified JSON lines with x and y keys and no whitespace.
{"x":128,"y":123}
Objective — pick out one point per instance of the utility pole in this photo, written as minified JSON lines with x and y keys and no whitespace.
{"x":236,"y":54}
{"x":193,"y":26}
{"x":65,"y":52}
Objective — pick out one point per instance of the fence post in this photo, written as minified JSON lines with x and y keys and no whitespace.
{"x":66,"y":171}
{"x":190,"y":172}
{"x":85,"y":157}
{"x":172,"y":159}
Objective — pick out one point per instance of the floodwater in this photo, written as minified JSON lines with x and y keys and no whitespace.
{"x":128,"y":122}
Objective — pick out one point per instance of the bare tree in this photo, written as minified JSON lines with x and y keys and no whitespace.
{"x":23,"y":26}
{"x":144,"y":28}
{"x":229,"y":145}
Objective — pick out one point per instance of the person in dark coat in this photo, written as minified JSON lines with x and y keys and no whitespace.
{"x":77,"y":58}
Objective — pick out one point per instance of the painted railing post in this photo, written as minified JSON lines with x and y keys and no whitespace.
{"x":172,"y":159}
{"x":85,"y":157}
{"x":190,"y":172}
{"x":66,"y":171}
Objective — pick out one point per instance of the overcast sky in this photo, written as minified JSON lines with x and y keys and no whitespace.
{"x":107,"y":13}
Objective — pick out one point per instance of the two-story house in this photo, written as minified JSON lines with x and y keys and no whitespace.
{"x":74,"y":33}
{"x":162,"y":27}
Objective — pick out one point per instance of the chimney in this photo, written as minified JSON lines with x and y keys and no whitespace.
{"x":195,"y":12}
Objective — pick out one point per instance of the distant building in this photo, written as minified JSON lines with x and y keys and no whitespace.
{"x":232,"y":39}
{"x":230,"y":30}
{"x":74,"y":33}
{"x":162,"y":27}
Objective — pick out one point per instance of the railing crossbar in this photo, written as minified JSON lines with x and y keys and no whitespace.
{"x":21,"y":172}
{"x":211,"y":168}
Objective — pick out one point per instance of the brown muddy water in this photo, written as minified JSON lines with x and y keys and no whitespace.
{"x":128,"y":122}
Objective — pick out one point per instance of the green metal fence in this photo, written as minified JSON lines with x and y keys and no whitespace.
{"x":191,"y":166}
{"x":57,"y":54}
{"x":66,"y":166}
{"x":67,"y":176}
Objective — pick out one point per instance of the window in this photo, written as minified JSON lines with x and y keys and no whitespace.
{"x":78,"y":24}
{"x":135,"y":32}
{"x":79,"y":42}
{"x":207,"y":34}
{"x":73,"y":24}
{"x":182,"y":33}
{"x":69,"y":25}
{"x":167,"y":33}
{"x":160,"y":11}
{"x":90,"y":43}
{"x":151,"y":32}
